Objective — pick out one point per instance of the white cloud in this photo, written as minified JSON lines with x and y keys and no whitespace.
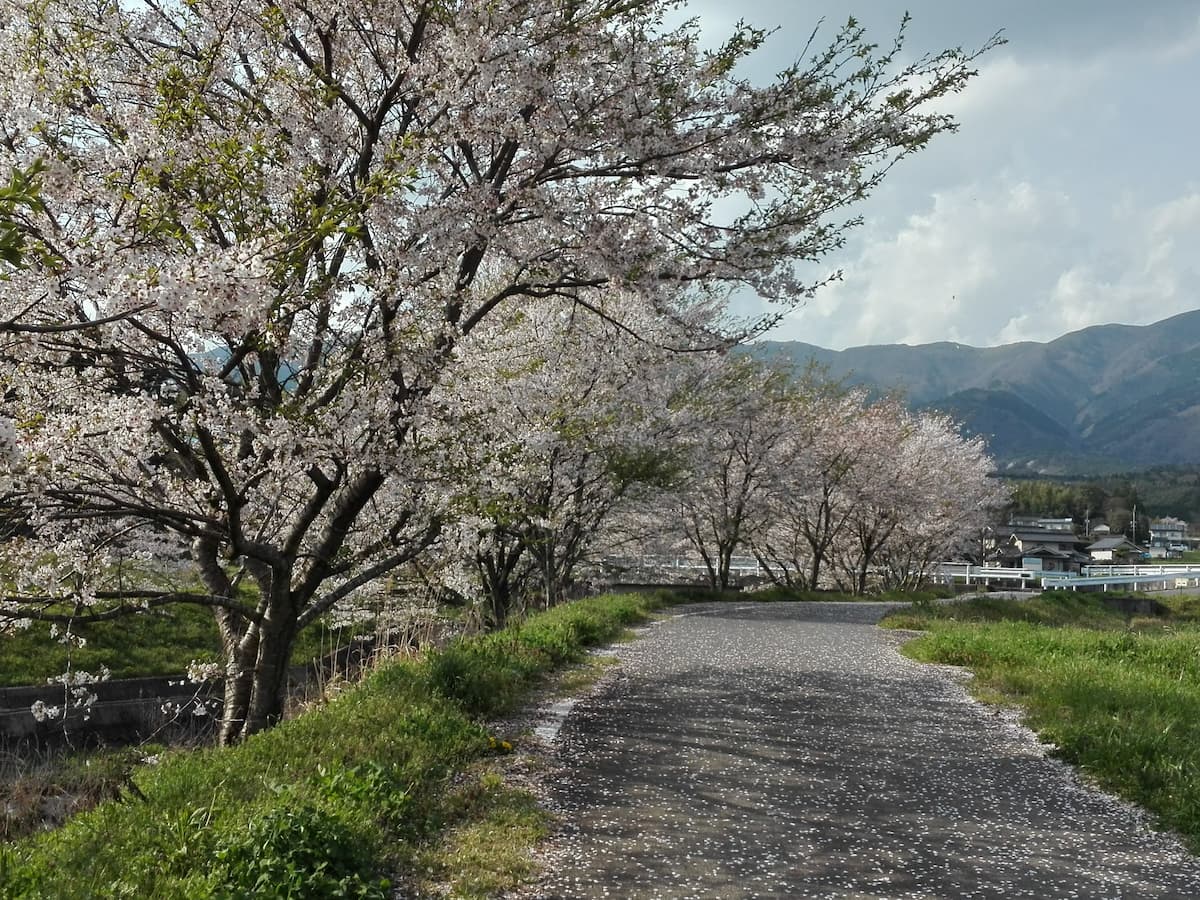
{"x":947,"y":273}
{"x":1175,"y":215}
{"x":1068,"y":197}
{"x":1186,"y":45}
{"x":1006,"y":261}
{"x":1010,"y":87}
{"x":1147,"y":273}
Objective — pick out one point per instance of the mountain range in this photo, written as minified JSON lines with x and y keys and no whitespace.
{"x":1106,"y":398}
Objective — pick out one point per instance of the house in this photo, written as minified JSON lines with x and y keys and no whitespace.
{"x":1040,"y":549}
{"x":1168,"y":536}
{"x":1116,"y":550}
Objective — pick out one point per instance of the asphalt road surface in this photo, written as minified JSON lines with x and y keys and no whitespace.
{"x":788,"y":750}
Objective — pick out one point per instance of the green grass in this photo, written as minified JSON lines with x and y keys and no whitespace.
{"x":161,"y":641}
{"x":483,"y":848}
{"x":1118,"y":695}
{"x":152,"y":642}
{"x":1056,"y":608}
{"x":325,"y":805}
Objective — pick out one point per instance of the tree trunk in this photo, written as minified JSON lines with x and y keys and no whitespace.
{"x":257,"y":665}
{"x":860,"y":581}
{"x":239,"y":644}
{"x":814,"y":571}
{"x":239,"y":671}
{"x":268,"y":682}
{"x":497,"y":571}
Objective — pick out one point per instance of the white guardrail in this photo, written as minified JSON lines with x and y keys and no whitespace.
{"x":1146,"y":577}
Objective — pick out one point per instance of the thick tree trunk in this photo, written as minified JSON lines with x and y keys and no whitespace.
{"x":239,"y":644}
{"x":502,"y":583}
{"x":814,"y":571}
{"x":239,"y":672}
{"x":276,"y":635}
{"x":257,"y":658}
{"x":269,"y":683}
{"x":860,"y":585}
{"x":498,"y":603}
{"x":553,"y":568}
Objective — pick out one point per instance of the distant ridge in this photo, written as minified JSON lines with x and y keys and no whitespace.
{"x":1103,"y":398}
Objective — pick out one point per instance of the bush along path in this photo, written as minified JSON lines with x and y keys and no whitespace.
{"x":788,"y":750}
{"x":335,"y":802}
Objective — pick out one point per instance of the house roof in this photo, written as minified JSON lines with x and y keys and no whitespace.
{"x":1046,"y":552}
{"x":1114,"y":543}
{"x":1169,"y":523}
{"x":1041,"y":551}
{"x":1042,"y":522}
{"x":1043,"y":535}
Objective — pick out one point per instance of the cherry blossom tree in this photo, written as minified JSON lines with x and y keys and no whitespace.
{"x":811,"y":505}
{"x":882,"y":486}
{"x":556,"y":418}
{"x":745,"y":416}
{"x":264,"y":228}
{"x":947,"y":496}
{"x":869,"y":494}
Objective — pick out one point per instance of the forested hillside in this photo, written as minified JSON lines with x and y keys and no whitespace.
{"x":1165,"y":491}
{"x":1110,"y":398}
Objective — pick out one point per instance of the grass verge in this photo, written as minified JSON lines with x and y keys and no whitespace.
{"x":152,"y":642}
{"x":483,"y":848}
{"x":327,"y":804}
{"x":160,"y":641}
{"x":1117,"y":693}
{"x":494,"y":817}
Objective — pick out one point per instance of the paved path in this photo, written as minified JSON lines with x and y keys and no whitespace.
{"x":788,"y":750}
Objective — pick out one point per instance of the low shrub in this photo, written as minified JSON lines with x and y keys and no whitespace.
{"x":485,"y":675}
{"x":296,"y":848}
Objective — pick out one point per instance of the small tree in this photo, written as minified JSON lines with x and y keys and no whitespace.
{"x":922,"y":493}
{"x":813,"y":503}
{"x":745,"y":417}
{"x":557,"y":419}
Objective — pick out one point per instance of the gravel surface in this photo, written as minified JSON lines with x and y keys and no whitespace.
{"x":788,"y":750}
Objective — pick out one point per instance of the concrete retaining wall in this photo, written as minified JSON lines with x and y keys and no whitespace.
{"x":128,"y":710}
{"x":163,"y":710}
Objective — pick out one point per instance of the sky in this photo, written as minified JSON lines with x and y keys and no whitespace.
{"x":1069,"y":196}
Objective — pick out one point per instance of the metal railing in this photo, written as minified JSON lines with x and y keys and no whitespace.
{"x":1146,"y":577}
{"x":948,"y":571}
{"x":1148,"y":582}
{"x":1143,"y":569}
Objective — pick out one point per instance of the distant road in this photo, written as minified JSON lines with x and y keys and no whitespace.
{"x":787,"y":750}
